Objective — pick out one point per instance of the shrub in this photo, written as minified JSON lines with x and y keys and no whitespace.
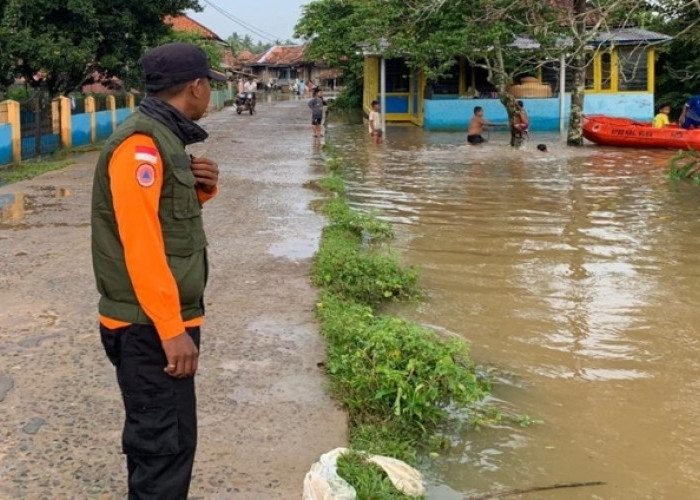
{"x":390,"y":370}
{"x":398,"y":380}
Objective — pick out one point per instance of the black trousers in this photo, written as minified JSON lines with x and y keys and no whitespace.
{"x":160,"y":429}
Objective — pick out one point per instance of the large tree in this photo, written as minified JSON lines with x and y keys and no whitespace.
{"x":58,"y":44}
{"x":678,"y":68}
{"x":334,"y":30}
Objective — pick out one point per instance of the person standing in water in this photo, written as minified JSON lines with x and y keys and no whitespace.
{"x":316,"y":104}
{"x":375,"y":123}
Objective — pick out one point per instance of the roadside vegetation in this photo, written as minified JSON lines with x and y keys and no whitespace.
{"x":685,"y":165}
{"x":398,"y":380}
{"x":30,"y":169}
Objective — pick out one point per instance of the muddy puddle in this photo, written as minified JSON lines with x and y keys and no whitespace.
{"x":575,"y":272}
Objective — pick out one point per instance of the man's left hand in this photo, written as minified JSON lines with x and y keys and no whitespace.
{"x":206,"y":172}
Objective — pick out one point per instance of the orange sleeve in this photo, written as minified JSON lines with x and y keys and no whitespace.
{"x":136,"y":178}
{"x":204,"y":197}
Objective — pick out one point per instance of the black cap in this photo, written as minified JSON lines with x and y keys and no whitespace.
{"x":175,"y":63}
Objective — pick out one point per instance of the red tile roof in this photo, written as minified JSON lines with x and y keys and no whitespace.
{"x":280,"y":55}
{"x":245,"y":55}
{"x":186,"y":24}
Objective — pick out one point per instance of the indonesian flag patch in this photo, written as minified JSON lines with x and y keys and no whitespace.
{"x":146,"y":154}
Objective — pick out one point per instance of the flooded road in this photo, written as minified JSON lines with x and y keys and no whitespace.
{"x":574,"y":272}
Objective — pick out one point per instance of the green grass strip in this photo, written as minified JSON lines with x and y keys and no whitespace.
{"x":396,"y":378}
{"x":30,"y":169}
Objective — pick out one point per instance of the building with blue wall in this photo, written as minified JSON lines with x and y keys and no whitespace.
{"x":619,"y":82}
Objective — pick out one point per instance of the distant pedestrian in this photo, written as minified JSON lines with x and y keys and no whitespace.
{"x":150,"y":262}
{"x":375,"y":123}
{"x":316,"y":104}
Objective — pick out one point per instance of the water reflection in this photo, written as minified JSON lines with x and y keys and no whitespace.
{"x":11,"y":208}
{"x":574,"y":269}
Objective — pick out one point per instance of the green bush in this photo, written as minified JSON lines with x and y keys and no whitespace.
{"x":333,"y":184}
{"x":390,"y":370}
{"x":397,"y":379}
{"x":362,"y":224}
{"x":371,"y":275}
{"x":685,"y":165}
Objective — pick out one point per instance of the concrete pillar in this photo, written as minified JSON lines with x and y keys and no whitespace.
{"x":9,"y":113}
{"x":112,"y":106}
{"x":66,"y":108}
{"x":55,"y":116}
{"x":90,"y":109}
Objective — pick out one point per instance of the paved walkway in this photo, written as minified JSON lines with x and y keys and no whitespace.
{"x":264,"y":414}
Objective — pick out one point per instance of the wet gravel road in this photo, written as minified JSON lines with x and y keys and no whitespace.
{"x":264,"y":414}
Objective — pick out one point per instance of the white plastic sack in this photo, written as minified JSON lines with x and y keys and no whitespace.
{"x":322,"y":482}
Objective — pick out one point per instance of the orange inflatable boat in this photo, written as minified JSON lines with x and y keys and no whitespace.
{"x":623,"y":132}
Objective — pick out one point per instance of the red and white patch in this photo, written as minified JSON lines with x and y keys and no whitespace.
{"x":146,"y":175}
{"x":146,"y":154}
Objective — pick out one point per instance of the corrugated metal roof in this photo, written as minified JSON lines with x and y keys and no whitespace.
{"x":629,"y":36}
{"x":616,"y":36}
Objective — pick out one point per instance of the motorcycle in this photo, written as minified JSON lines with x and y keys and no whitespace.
{"x":245,"y":102}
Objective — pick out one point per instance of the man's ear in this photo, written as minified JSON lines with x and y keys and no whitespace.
{"x":196,"y":87}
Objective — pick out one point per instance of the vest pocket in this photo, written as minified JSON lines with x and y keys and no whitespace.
{"x":185,"y":202}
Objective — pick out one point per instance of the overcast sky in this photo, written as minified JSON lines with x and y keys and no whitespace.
{"x":276,"y":18}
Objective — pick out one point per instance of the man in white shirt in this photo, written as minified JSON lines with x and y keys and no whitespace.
{"x":250,"y":86}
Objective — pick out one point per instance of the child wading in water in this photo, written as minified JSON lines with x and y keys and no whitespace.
{"x":476,"y":126}
{"x":316,"y":104}
{"x":375,"y":123}
{"x":521,"y":126}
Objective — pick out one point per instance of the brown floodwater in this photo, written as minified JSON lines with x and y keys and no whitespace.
{"x":576,"y":274}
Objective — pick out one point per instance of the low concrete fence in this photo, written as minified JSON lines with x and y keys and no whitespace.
{"x":73,"y":124}
{"x":69,"y":127}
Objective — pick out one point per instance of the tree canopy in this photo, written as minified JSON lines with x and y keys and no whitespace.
{"x":496,"y":35}
{"x":66,"y":41}
{"x":678,"y":68}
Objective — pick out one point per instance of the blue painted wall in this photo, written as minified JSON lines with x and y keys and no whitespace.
{"x":104,"y":124}
{"x":395,"y":103}
{"x":122,"y":114}
{"x":5,"y":144}
{"x":454,"y":114}
{"x":49,"y":144}
{"x":80,"y":126}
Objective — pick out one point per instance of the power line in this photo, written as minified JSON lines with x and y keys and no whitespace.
{"x":247,"y":26}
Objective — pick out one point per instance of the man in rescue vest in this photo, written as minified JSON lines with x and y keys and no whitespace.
{"x":150,"y":263}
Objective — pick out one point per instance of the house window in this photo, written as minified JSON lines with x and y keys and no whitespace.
{"x":590,"y":72}
{"x":478,"y":82}
{"x":606,"y":73}
{"x":633,"y":69}
{"x":397,"y":76}
{"x":449,"y":83}
{"x":551,"y":73}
